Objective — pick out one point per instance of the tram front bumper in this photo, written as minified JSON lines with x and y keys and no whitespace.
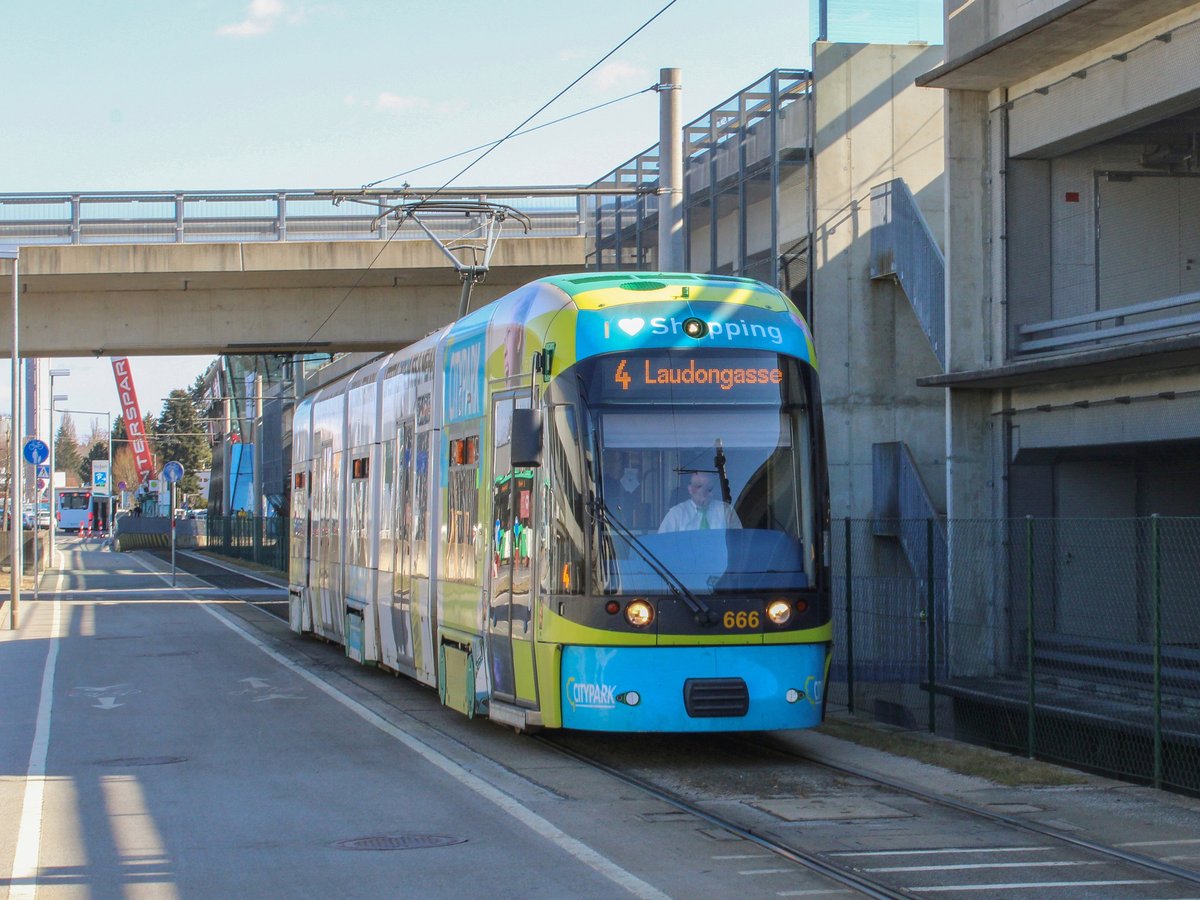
{"x":712,"y":688}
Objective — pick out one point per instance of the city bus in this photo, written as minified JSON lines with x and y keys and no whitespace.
{"x":72,"y":506}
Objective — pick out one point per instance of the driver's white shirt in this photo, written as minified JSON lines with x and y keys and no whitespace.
{"x":686,"y":516}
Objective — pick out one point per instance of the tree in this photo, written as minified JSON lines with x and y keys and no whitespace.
{"x":124,"y":461}
{"x":98,"y":450}
{"x":182,"y":439}
{"x":67,"y":454}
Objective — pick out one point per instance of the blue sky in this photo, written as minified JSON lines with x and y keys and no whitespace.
{"x":255,"y":94}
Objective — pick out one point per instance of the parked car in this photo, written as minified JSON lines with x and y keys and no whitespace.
{"x":43,"y":516}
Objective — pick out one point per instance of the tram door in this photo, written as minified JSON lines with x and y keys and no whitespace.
{"x":510,"y":607}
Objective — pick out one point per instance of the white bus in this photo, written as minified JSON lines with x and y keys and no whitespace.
{"x":72,"y":507}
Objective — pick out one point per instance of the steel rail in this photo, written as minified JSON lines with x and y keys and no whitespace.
{"x":811,"y":861}
{"x":1136,"y":859}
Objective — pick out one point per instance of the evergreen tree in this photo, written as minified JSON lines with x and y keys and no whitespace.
{"x":67,"y":453}
{"x":98,"y":450}
{"x":182,"y":439}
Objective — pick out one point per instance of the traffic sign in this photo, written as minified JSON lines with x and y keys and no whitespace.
{"x":172,"y":472}
{"x":36,"y":451}
{"x":43,"y":470}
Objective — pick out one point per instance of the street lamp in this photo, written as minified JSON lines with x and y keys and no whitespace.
{"x":15,"y":532}
{"x":54,"y":398}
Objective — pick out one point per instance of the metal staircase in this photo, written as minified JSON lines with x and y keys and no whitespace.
{"x":903,"y":248}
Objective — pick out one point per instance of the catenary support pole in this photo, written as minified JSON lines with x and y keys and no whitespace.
{"x":14,"y":462}
{"x":670,"y":172}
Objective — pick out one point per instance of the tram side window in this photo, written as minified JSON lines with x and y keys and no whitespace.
{"x":358,"y":549}
{"x":421,"y":475}
{"x":387,"y":508}
{"x":463,"y":509}
{"x":403,"y":509}
{"x":566,"y":531}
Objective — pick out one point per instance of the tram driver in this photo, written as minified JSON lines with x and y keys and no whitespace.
{"x":701,"y":510}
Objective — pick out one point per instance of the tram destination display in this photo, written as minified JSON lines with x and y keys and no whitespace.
{"x":703,"y":377}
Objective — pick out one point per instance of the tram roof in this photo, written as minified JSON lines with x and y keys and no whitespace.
{"x":576,"y":284}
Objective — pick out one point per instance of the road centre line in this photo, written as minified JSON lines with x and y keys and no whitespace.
{"x":23,"y":883}
{"x":543,"y":827}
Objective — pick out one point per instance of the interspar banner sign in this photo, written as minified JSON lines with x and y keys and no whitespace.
{"x":142,"y":456}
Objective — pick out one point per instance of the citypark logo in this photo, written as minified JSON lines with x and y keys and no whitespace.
{"x":586,"y":695}
{"x":728,"y":330}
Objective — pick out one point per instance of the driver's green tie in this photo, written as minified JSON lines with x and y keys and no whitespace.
{"x":704,"y":518}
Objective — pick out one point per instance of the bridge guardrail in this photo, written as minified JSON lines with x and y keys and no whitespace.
{"x":164,"y":217}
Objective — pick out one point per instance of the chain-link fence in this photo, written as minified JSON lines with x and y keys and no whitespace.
{"x":1072,"y":640}
{"x":258,"y":540}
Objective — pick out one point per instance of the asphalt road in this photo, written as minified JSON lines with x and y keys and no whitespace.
{"x":160,"y":741}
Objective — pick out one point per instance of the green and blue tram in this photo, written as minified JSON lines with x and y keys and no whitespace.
{"x":501,"y":510}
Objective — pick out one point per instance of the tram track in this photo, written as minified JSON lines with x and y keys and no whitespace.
{"x":844,"y":876}
{"x":904,"y":861}
{"x":1142,"y":861}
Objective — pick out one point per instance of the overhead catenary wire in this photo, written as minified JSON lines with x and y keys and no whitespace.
{"x":498,"y":141}
{"x":358,"y":281}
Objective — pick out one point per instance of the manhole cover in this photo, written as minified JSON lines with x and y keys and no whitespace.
{"x":400,"y":842}
{"x":143,"y":761}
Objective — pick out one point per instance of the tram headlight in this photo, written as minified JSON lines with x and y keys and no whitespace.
{"x":779,"y":611}
{"x":695,"y":328}
{"x":639,"y":613}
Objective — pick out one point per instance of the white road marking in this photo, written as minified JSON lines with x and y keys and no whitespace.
{"x":1016,"y":865}
{"x":938,"y":852}
{"x":585,"y":854}
{"x":745,"y":856}
{"x":106,"y":703}
{"x":1159,"y":843}
{"x":766,"y":871}
{"x":23,"y":883}
{"x":1026,"y":885}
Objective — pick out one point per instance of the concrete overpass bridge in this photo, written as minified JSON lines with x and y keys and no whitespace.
{"x":232,"y":273}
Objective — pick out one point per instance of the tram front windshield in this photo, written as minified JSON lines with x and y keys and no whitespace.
{"x":702,"y":465}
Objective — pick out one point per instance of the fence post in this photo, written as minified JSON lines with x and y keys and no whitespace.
{"x":1029,"y":631}
{"x":930,"y":623}
{"x":849,"y":620}
{"x":1156,"y":624}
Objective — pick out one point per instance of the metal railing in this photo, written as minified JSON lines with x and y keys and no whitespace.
{"x":750,"y":136}
{"x":1124,"y":323}
{"x":904,"y":248}
{"x":263,"y":541}
{"x":155,"y":217}
{"x":1071,"y":640}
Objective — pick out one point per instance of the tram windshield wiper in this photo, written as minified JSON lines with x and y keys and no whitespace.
{"x":701,"y":610}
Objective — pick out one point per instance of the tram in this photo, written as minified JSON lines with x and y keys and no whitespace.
{"x":598,"y":503}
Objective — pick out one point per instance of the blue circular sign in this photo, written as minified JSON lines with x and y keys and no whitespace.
{"x":36,"y":451}
{"x":172,"y":472}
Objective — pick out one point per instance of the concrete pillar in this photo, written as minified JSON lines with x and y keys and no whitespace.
{"x":974,"y":542}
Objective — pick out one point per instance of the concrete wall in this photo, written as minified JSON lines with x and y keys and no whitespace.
{"x":43,"y":541}
{"x":873,"y":125}
{"x":235,"y":298}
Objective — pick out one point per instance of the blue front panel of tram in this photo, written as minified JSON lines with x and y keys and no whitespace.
{"x":642,"y":688}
